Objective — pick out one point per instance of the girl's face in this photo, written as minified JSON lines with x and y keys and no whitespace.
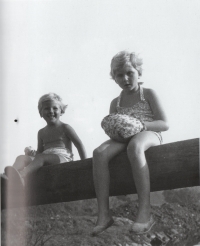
{"x":127,"y":78}
{"x":51,"y":111}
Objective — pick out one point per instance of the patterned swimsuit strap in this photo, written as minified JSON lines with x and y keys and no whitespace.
{"x":141,"y":96}
{"x":119,"y":99}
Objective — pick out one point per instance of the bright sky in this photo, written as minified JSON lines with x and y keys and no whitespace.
{"x":66,"y":47}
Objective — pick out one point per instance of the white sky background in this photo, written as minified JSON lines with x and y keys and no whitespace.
{"x":66,"y":47}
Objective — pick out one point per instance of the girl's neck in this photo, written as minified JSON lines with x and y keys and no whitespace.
{"x":54,"y":124}
{"x":133,"y":91}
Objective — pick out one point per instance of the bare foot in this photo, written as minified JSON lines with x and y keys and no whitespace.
{"x":143,"y":215}
{"x":142,"y":228}
{"x":101,"y":228}
{"x":103,"y":218}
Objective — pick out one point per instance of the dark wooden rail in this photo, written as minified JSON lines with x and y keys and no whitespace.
{"x":174,"y":165}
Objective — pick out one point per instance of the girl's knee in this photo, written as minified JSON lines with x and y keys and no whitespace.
{"x":21,"y":158}
{"x":21,"y":162}
{"x":135,"y":148}
{"x":98,"y":152}
{"x":100,"y":155}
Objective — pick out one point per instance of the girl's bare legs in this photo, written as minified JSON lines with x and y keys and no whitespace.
{"x":136,"y":148}
{"x":101,"y":157}
{"x":38,"y":162}
{"x":18,"y":176}
{"x":21,"y":162}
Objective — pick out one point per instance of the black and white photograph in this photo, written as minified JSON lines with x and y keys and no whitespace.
{"x":100,"y":122}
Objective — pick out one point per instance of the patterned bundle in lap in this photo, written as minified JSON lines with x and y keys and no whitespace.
{"x":121,"y":127}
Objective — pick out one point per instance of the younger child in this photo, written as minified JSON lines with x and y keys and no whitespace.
{"x":143,"y":104}
{"x":54,"y":141}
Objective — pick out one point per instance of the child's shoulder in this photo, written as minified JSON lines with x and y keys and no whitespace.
{"x":113,"y":105}
{"x":68,"y":130}
{"x":148,"y":93}
{"x":41,"y":130}
{"x":66,"y":127}
{"x":114,"y":101}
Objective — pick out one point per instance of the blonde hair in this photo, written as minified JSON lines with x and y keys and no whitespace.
{"x":123,"y":58}
{"x":51,"y":97}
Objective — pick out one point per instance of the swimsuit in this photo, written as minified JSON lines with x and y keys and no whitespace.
{"x":64,"y":154}
{"x":140,"y":110}
{"x":59,"y":140}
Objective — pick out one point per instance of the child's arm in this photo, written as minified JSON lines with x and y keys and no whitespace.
{"x":76,"y":141}
{"x":160,"y":122}
{"x":113,"y":106}
{"x":30,"y":151}
{"x":40,"y":147}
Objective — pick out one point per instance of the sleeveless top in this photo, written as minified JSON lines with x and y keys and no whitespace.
{"x":141,"y":110}
{"x":58,"y":142}
{"x":60,"y":139}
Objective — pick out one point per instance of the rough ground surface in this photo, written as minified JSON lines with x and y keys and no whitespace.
{"x":178,"y":222}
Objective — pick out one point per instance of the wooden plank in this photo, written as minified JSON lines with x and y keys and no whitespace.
{"x":174,"y":165}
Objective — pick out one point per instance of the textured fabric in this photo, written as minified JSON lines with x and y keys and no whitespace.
{"x":64,"y":154}
{"x":59,"y":141}
{"x":140,"y":110}
{"x":121,"y":127}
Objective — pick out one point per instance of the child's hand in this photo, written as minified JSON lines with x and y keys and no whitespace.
{"x":29,"y":151}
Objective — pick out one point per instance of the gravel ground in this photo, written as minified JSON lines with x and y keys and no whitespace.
{"x":177,"y":223}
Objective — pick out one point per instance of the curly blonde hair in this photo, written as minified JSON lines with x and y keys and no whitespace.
{"x":125,"y":57}
{"x":51,"y":97}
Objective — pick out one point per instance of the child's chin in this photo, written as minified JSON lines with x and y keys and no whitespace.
{"x":51,"y":120}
